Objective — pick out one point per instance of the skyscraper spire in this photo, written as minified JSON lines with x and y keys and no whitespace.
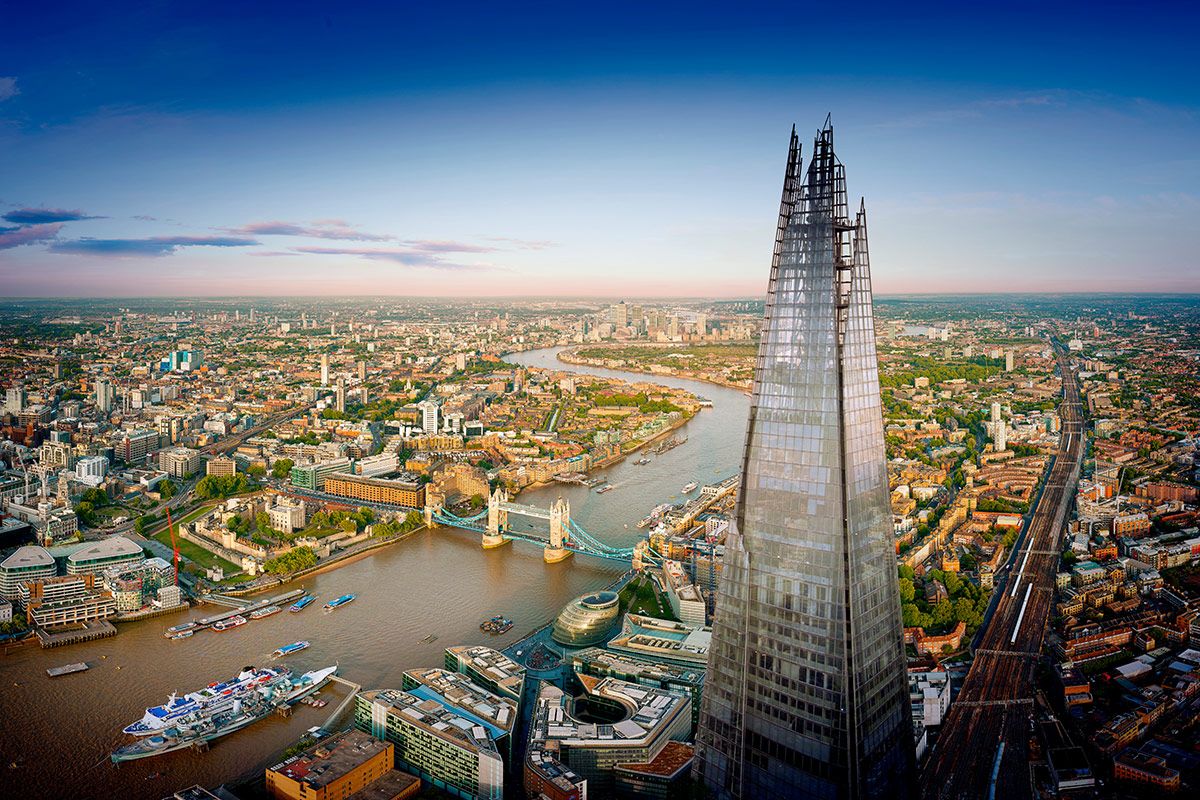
{"x":806,"y":694}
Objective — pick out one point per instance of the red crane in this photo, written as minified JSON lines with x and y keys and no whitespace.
{"x":175,"y":547}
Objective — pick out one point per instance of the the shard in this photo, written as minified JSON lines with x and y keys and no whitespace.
{"x":806,"y":694}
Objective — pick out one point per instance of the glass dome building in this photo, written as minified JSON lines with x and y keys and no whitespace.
{"x":586,"y":620}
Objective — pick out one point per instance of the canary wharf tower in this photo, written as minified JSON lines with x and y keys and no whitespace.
{"x":806,"y":694}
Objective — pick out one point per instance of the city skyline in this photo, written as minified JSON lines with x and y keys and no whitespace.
{"x":517,"y":153}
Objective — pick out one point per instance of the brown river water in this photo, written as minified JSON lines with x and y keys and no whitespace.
{"x":56,"y":733}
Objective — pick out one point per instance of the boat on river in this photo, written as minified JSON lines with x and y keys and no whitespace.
{"x":339,"y":602}
{"x":230,"y":623}
{"x":265,"y":612}
{"x":190,"y":625}
{"x":288,"y":649}
{"x":302,"y":603}
{"x":214,"y":698}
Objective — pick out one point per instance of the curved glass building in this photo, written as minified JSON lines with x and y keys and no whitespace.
{"x":587,"y":620}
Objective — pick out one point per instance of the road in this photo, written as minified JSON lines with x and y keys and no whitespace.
{"x":983,"y":748}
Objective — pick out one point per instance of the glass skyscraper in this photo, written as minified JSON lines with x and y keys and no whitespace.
{"x":806,"y":694}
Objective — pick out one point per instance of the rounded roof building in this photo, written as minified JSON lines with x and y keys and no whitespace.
{"x":97,"y":557}
{"x":586,"y":620}
{"x":27,"y":563}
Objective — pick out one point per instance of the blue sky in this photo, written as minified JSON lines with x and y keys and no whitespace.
{"x":209,"y":149}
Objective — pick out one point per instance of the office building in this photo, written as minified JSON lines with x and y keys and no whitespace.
{"x":179,"y":462}
{"x":91,"y":470}
{"x":686,"y":601}
{"x":97,"y":558}
{"x":28,"y":563}
{"x":460,"y":695}
{"x":137,"y":586}
{"x":806,"y":694}
{"x":181,"y":361}
{"x":134,"y":446}
{"x":453,"y":752}
{"x":600,"y":663}
{"x":663,"y":640}
{"x":489,"y":668}
{"x":341,"y":766}
{"x":65,"y":600}
{"x":312,"y":476}
{"x":221,"y":465}
{"x":647,"y":720}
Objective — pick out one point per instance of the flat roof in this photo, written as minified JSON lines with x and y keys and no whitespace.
{"x":331,"y":759}
{"x":387,"y":786}
{"x":28,"y":556}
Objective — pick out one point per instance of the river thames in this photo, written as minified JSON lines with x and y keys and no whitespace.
{"x":57,"y":732}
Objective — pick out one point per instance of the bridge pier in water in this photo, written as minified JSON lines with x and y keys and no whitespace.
{"x":497,"y":520}
{"x":560,"y":523}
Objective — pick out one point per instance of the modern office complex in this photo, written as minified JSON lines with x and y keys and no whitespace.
{"x":806,"y":694}
{"x":29,"y":563}
{"x":96,"y":558}
{"x":489,"y":668}
{"x":454,"y":752}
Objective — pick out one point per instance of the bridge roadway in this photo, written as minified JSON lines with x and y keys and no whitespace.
{"x":987,"y":730}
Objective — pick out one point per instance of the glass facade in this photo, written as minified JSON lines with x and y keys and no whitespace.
{"x":806,"y":694}
{"x":587,"y":620}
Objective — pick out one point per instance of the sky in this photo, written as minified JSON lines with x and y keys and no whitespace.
{"x":610,"y":150}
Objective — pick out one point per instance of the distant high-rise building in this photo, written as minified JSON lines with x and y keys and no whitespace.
{"x":324,"y":369}
{"x":995,"y":411}
{"x":14,"y":399}
{"x":1008,"y":361}
{"x":1000,"y":436}
{"x":429,"y":415}
{"x":618,"y":314}
{"x":806,"y":694}
{"x":340,"y":395}
{"x":104,"y":395}
{"x":362,"y":370}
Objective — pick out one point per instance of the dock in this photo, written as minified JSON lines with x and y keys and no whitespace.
{"x":337,"y":712}
{"x":67,"y":669}
{"x":89,"y":631}
{"x":282,"y":599}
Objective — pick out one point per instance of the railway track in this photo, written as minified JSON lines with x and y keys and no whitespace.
{"x":982,"y":751}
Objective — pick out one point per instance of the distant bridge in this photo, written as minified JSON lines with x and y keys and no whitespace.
{"x":565,"y":538}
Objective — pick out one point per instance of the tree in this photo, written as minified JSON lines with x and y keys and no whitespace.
{"x":86,"y":512}
{"x":907,"y":590}
{"x":256,"y":470}
{"x":943,"y":613}
{"x":282,"y":467}
{"x":906,"y":571}
{"x":293,"y":560}
{"x":262,"y":521}
{"x":166,"y":490}
{"x":476,"y":501}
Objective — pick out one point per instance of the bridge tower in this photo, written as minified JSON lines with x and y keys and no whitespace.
{"x":560,"y":524}
{"x":433,"y":504}
{"x":497,"y":519}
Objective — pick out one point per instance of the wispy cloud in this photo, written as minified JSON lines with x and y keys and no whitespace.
{"x":38,"y":216}
{"x":8,"y":88}
{"x":153,"y":246}
{"x":321,"y":229}
{"x":426,"y":246}
{"x":29,"y":234}
{"x":523,"y":244}
{"x":408,"y":257}
{"x":977,"y":109}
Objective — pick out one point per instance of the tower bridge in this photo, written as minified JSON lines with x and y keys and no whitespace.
{"x":565,"y":537}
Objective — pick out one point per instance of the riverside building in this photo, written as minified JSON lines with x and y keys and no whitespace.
{"x":806,"y":693}
{"x":455,"y":753}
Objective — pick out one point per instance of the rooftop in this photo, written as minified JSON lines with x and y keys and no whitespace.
{"x":670,"y":760}
{"x":434,"y":717}
{"x":491,"y":663}
{"x":28,"y":556}
{"x":386,"y":786}
{"x":109,"y":548}
{"x":331,"y":759}
{"x":455,"y":691}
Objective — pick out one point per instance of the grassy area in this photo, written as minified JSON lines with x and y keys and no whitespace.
{"x":195,"y":553}
{"x":641,"y":596}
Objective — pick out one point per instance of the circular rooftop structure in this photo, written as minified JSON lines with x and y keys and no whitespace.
{"x":586,"y":620}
